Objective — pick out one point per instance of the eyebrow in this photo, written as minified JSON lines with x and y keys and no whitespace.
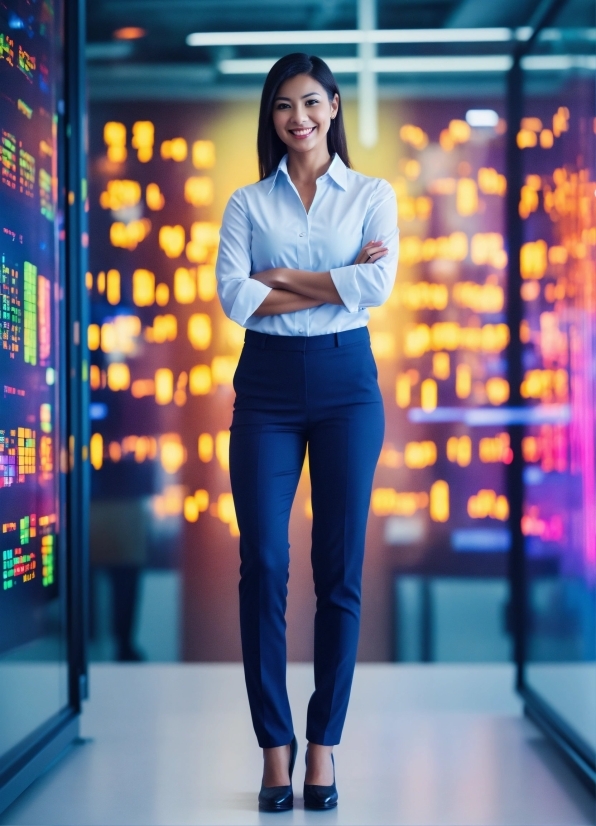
{"x":310,"y":94}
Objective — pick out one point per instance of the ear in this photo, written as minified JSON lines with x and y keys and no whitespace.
{"x":334,"y":104}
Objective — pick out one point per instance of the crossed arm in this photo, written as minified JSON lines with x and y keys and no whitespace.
{"x":294,"y":290}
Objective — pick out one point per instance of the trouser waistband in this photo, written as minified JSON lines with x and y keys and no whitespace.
{"x":324,"y":342}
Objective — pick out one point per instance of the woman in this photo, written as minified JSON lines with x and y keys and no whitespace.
{"x":293,"y":270}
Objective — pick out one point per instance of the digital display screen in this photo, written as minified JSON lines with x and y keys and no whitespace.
{"x":30,"y":72}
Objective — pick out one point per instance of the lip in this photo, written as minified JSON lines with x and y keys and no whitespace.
{"x":303,"y":133}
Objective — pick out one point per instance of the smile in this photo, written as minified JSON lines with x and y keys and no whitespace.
{"x":302,"y":133}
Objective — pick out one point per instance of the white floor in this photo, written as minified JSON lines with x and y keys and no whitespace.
{"x":426,"y":745}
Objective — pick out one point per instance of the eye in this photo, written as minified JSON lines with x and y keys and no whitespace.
{"x":313,"y":101}
{"x":283,"y":106}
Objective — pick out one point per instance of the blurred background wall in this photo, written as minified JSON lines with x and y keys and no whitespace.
{"x":172,"y":134}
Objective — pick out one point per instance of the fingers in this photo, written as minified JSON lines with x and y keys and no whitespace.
{"x":370,"y":254}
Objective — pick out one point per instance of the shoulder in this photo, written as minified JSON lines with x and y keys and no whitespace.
{"x":378,"y":189}
{"x":249,"y":193}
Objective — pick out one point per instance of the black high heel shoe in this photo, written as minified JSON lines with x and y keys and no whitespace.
{"x":279,"y":798}
{"x":320,"y":797}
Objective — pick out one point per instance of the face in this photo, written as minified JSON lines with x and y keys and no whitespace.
{"x":302,"y":113}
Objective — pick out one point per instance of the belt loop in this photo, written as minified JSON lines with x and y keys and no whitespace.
{"x":338,"y":339}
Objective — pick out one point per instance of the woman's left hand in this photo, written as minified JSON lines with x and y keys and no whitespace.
{"x":371,"y":252}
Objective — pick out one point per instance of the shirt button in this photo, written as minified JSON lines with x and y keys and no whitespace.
{"x":302,"y":234}
{"x":300,"y":330}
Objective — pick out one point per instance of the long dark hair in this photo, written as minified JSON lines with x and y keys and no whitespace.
{"x":270,"y":147}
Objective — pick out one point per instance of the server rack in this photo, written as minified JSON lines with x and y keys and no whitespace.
{"x":58,"y":69}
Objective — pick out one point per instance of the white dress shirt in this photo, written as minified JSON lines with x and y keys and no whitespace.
{"x":265,"y":225}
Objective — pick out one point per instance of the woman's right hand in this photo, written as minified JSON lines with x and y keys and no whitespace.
{"x":371,"y":252}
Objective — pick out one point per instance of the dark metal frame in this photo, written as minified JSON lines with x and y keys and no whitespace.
{"x":31,"y":757}
{"x":574,"y":749}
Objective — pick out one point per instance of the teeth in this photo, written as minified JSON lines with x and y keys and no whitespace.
{"x":302,"y":131}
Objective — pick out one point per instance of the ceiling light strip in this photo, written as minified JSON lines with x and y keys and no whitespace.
{"x":351,"y":36}
{"x":381,"y":65}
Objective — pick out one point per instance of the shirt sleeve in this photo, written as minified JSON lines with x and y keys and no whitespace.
{"x":239,"y":294}
{"x":369,"y":285}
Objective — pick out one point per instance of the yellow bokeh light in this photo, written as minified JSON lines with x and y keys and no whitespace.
{"x":389,"y":502}
{"x":222,"y":449}
{"x":190,"y":509}
{"x":175,"y":149}
{"x":412,"y":169}
{"x":164,"y":385}
{"x":199,"y":331}
{"x":495,"y":449}
{"x":223,"y":369}
{"x":422,"y":295}
{"x":487,"y":248}
{"x":172,"y":240}
{"x":403,"y":390}
{"x":497,"y":390}
{"x":533,"y":259}
{"x":205,"y":447}
{"x":203,"y":154}
{"x":459,"y":131}
{"x":491,"y":182}
{"x":486,"y":503}
{"x":206,"y":282}
{"x":143,"y":288}
{"x":118,"y":376}
{"x":172,"y":454}
{"x":428,"y":395}
{"x":120,"y":194}
{"x":441,"y":365}
{"x":129,"y":236}
{"x":96,"y":450}
{"x":439,"y":501}
{"x":459,"y":450}
{"x":198,"y":191}
{"x":162,"y":294}
{"x":142,"y":387}
{"x":414,"y":249}
{"x":463,"y":381}
{"x":466,"y":197}
{"x":227,"y":513}
{"x":547,"y":139}
{"x":546,"y":385}
{"x":114,"y":451}
{"x":143,"y":134}
{"x":413,"y":135}
{"x":185,"y":285}
{"x":419,"y":455}
{"x":481,"y":298}
{"x":113,"y":287}
{"x":101,"y":282}
{"x":154,"y":197}
{"x":199,"y":380}
{"x":114,"y":135}
{"x":165,"y":328}
{"x":93,"y":336}
{"x":94,"y":377}
{"x":526,"y":139}
{"x":204,"y":240}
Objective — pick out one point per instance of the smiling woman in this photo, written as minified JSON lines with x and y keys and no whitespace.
{"x":294,"y":269}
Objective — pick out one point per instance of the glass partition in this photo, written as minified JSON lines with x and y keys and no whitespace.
{"x":558,"y":272}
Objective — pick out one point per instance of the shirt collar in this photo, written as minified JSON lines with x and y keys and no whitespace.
{"x":337,"y":171}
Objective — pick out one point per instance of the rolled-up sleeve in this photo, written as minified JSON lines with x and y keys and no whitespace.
{"x":369,"y":285}
{"x":239,"y":294}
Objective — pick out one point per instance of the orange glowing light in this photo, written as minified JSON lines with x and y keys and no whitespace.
{"x":205,"y":447}
{"x":486,"y":504}
{"x":388,"y":502}
{"x":198,"y":191}
{"x":497,"y":390}
{"x":418,"y":455}
{"x":94,"y":377}
{"x":175,"y":149}
{"x":441,"y":365}
{"x":129,"y":236}
{"x":466,"y":197}
{"x":93,"y":336}
{"x":120,"y":194}
{"x":459,"y":450}
{"x":143,"y":288}
{"x":129,"y":33}
{"x":428,"y":395}
{"x":403,"y":390}
{"x":533,"y":259}
{"x":199,"y":331}
{"x":143,"y":134}
{"x":142,"y":387}
{"x":459,"y":131}
{"x":96,"y":450}
{"x":199,"y":380}
{"x":154,"y":197}
{"x":222,"y":449}
{"x":439,"y":501}
{"x":118,"y":376}
{"x":172,"y":240}
{"x":463,"y":381}
{"x":164,"y":385}
{"x":113,"y":287}
{"x":495,"y":449}
{"x":203,"y":154}
{"x":114,"y":136}
{"x":206,"y":282}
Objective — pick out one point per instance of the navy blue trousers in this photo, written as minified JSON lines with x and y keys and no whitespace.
{"x":292,"y":392}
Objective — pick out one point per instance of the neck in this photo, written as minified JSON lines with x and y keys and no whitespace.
{"x":306,"y":167}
